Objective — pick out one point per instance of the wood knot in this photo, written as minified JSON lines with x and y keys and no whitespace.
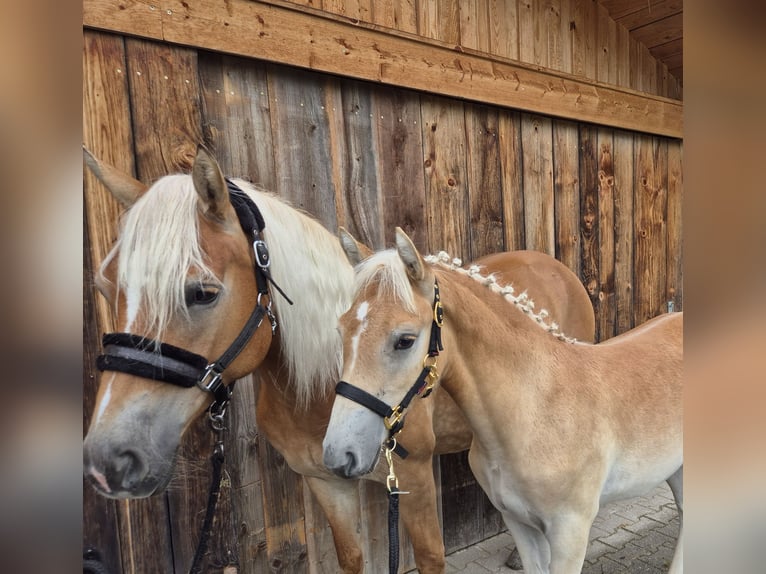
{"x":451,"y":182}
{"x":183,"y":157}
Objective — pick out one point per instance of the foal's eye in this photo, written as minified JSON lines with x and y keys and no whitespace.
{"x":201,"y":295}
{"x":404,"y":342}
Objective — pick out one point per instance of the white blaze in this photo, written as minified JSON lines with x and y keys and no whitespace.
{"x":361,"y":316}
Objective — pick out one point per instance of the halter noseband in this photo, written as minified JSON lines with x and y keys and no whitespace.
{"x":149,"y":359}
{"x":393,"y":417}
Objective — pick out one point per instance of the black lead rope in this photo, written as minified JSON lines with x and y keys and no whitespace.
{"x":212,"y":501}
{"x":393,"y":417}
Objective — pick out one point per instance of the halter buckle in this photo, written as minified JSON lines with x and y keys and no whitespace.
{"x":210,"y":379}
{"x":262,"y":257}
{"x":438,"y":313}
{"x":394,"y":418}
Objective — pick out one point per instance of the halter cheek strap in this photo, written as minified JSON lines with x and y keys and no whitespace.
{"x":393,"y":417}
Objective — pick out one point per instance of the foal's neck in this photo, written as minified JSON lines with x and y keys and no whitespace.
{"x":492,"y":348}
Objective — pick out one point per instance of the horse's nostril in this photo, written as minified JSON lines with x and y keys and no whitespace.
{"x":349,"y":468}
{"x":129,"y":469}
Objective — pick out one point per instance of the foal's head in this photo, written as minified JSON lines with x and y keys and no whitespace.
{"x":181,"y":272}
{"x":386,"y":335}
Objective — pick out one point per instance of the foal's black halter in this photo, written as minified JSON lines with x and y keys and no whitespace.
{"x":393,"y":417}
{"x":146,"y":358}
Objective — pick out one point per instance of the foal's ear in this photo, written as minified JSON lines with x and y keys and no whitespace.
{"x":123,"y":187}
{"x":355,"y":251}
{"x":409,"y":254}
{"x":211,"y":186}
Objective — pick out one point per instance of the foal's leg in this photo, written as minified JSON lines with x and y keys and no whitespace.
{"x":532,"y":545}
{"x":568,"y":536}
{"x":339,"y":499}
{"x":676,"y":483}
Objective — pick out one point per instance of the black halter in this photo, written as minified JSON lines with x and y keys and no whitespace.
{"x":393,"y":417}
{"x":136,"y":355}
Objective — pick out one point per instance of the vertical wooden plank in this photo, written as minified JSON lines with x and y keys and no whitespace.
{"x":589,"y":212}
{"x":300,"y":106}
{"x":99,"y":514}
{"x":566,"y":190}
{"x":165,"y":97}
{"x":622,"y":160}
{"x":406,"y":15}
{"x":650,"y":204}
{"x":503,"y":28}
{"x":237,"y":120}
{"x":605,"y":327}
{"x":237,"y":123}
{"x":242,"y":540}
{"x":484,"y":181}
{"x":636,"y":77}
{"x":584,"y":38}
{"x":362,"y":202}
{"x":509,"y":134}
{"x":565,"y":34}
{"x":649,"y":70}
{"x":469,"y":25}
{"x":674,"y":272}
{"x":443,"y":124}
{"x":537,"y":166}
{"x":166,"y":136}
{"x":622,"y":57}
{"x":107,"y":133}
{"x":428,"y":18}
{"x":285,"y":528}
{"x":530,"y":32}
{"x":449,"y":21}
{"x":384,"y":14}
{"x":606,"y":53}
{"x":400,"y":159}
{"x":554,"y":41}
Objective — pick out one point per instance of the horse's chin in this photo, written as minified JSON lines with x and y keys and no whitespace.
{"x":147,"y":488}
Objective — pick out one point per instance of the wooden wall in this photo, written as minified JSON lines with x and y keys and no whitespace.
{"x":572,"y":36}
{"x":458,"y":175}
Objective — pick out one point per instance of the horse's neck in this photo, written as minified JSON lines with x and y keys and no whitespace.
{"x":492,"y":349}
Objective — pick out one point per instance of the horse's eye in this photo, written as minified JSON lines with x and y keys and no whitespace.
{"x":404,"y":342}
{"x":201,"y":295}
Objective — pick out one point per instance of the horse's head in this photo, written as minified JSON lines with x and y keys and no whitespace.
{"x":181,"y":272}
{"x":388,"y":338}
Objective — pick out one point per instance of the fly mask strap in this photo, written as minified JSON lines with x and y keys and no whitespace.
{"x":393,"y":417}
{"x":146,"y":358}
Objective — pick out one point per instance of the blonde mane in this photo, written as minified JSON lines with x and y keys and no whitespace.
{"x":388,"y":268}
{"x":306,"y":261}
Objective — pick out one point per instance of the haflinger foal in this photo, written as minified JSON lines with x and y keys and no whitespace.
{"x":560,"y":427}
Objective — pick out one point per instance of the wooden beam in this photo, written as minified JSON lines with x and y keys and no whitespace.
{"x":303,"y":37}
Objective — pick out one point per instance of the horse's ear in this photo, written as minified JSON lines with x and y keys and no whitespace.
{"x":123,"y":187}
{"x":355,"y":251}
{"x":211,"y":186}
{"x":413,"y":262}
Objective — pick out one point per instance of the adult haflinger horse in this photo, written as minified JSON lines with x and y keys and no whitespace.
{"x":183,"y":272}
{"x":559,"y":428}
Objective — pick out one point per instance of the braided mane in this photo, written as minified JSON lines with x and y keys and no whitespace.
{"x":522,"y":301}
